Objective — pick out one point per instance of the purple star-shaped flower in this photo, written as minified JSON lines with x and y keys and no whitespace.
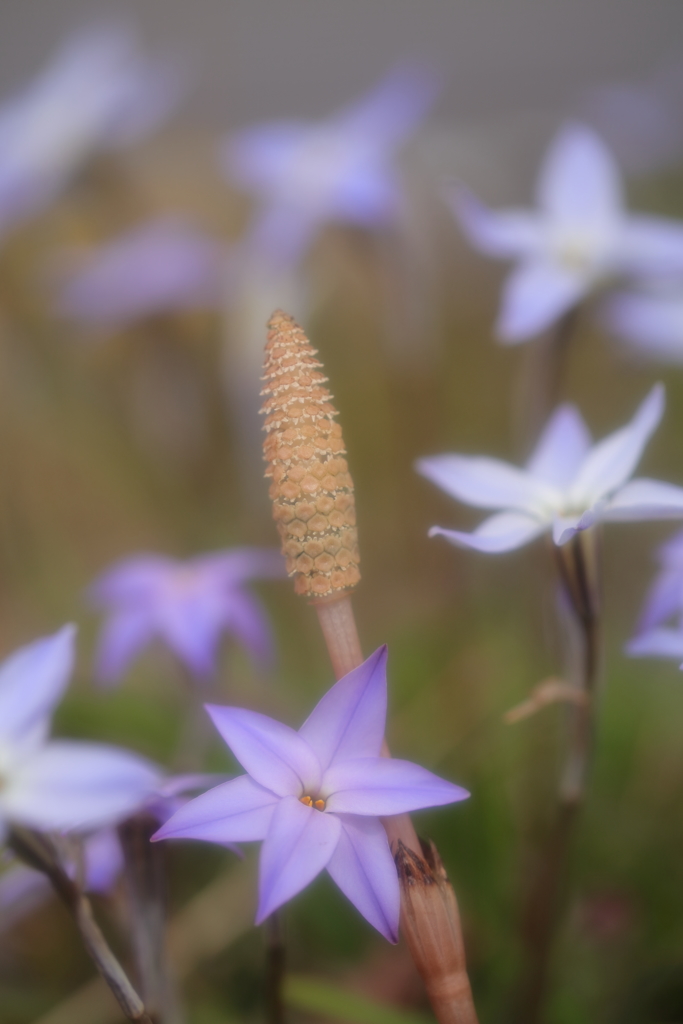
{"x":59,"y":785}
{"x":580,"y":236}
{"x":649,"y":322}
{"x":187,"y":604}
{"x":160,"y":266}
{"x":659,"y":633}
{"x":98,"y":92}
{"x":315,"y":797}
{"x":342,"y":169}
{"x":566,"y":486}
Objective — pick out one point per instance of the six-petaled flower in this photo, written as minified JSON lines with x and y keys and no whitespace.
{"x":579,"y":236}
{"x":59,"y":785}
{"x":315,"y":797}
{"x":567,"y":485}
{"x":189,"y":605}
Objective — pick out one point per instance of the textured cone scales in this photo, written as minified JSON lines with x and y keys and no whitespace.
{"x":311,"y":489}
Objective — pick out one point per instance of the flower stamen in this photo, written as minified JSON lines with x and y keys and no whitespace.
{"x":310,"y":802}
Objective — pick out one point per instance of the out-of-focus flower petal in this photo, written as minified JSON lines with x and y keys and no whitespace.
{"x":579,"y":180}
{"x":535,"y":294}
{"x":247,"y":620}
{"x":236,"y":811}
{"x":657,"y":643}
{"x":77,"y":786}
{"x":299,"y":844}
{"x":563,"y":445}
{"x":385,"y":786}
{"x":103,"y":860}
{"x":132,"y":579}
{"x":486,"y":483}
{"x":651,"y":246}
{"x":564,"y":528}
{"x":163,"y":265}
{"x":191,"y":624}
{"x":123,"y":636}
{"x":502,"y":532}
{"x":663,"y":600}
{"x":505,"y":233}
{"x":611,"y":462}
{"x":391,"y":111}
{"x":274,"y":755}
{"x":364,"y":869}
{"x":348,"y":722}
{"x":651,"y":324}
{"x":642,"y":500}
{"x":32,"y":681}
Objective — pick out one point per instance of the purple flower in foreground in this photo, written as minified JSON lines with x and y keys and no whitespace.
{"x":580,"y":236}
{"x":650,"y":323}
{"x":99,"y":91}
{"x":315,"y":797}
{"x":566,"y":486}
{"x":342,"y":169}
{"x":657,"y":635}
{"x":187,"y":604}
{"x":58,"y":785}
{"x":162,"y":265}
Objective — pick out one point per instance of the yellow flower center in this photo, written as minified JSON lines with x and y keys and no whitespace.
{"x":310,"y":802}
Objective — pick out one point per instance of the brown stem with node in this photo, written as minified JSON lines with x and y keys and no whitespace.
{"x":314,"y":508}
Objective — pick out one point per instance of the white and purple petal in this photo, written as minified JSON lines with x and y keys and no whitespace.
{"x":612,"y":461}
{"x":32,"y":682}
{"x":299,"y":844}
{"x":364,"y":869}
{"x":641,"y":500}
{"x":535,"y":295}
{"x":579,"y":181}
{"x":487,"y":483}
{"x":70,"y":785}
{"x":505,"y":531}
{"x":237,"y":811}
{"x":348,"y":722}
{"x":664,"y":642}
{"x":561,"y":448}
{"x":504,"y":233}
{"x":274,"y":755}
{"x":385,"y":786}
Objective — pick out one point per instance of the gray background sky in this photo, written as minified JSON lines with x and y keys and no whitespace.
{"x":263,"y":58}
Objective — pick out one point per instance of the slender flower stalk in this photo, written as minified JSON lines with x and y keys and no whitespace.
{"x":37,"y":851}
{"x":298,"y":407}
{"x":579,"y":571}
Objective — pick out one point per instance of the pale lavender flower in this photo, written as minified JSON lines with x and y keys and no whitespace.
{"x":659,"y":632}
{"x":58,"y":785}
{"x":580,"y":236}
{"x":315,"y":797}
{"x":188,"y":605}
{"x":159,"y":266}
{"x":650,"y":323}
{"x":305,"y":175}
{"x":567,"y":485}
{"x":100,"y":91}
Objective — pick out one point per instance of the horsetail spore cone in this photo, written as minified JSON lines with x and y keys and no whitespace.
{"x":311,"y":490}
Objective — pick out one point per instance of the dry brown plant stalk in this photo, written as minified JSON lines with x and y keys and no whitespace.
{"x":314,"y":508}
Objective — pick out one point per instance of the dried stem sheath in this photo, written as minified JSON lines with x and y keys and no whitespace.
{"x":578,"y":568}
{"x":37,"y":851}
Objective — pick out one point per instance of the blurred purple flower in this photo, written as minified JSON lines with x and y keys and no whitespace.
{"x":22,"y":888}
{"x":100,"y":91}
{"x":342,"y":169}
{"x":650,"y":323}
{"x":162,"y":265}
{"x":315,"y":797}
{"x":187,"y":604}
{"x":59,"y":785}
{"x":663,"y":603}
{"x":566,"y":486}
{"x":580,"y":236}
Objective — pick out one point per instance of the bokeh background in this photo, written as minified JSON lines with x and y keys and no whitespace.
{"x":143,"y":438}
